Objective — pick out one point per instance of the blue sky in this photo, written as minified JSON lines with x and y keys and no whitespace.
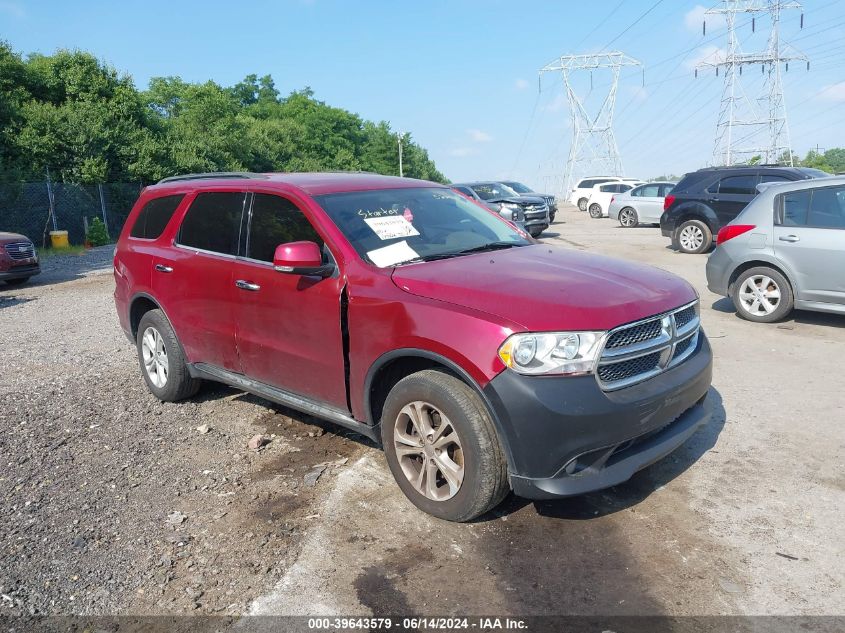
{"x":462,"y":76}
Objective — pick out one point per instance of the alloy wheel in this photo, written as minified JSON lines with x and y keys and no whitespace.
{"x":155,"y":357}
{"x":595,"y":211}
{"x":691,"y":238}
{"x":627,"y":217}
{"x":759,"y":295}
{"x":582,"y":204}
{"x":429,"y":451}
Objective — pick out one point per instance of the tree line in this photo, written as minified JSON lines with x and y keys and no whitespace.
{"x":80,"y":119}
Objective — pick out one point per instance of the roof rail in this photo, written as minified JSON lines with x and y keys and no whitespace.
{"x":746,"y":166}
{"x":209,"y":175}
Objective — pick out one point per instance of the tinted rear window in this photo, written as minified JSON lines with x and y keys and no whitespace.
{"x":745,"y":185}
{"x":690,"y":180}
{"x":213,"y":222}
{"x":154,"y":217}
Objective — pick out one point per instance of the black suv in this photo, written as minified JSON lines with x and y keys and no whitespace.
{"x":530,"y":213}
{"x":706,"y":200}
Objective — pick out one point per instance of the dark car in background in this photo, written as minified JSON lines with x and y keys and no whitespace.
{"x":18,"y":259}
{"x":706,"y":200}
{"x":499,"y":197}
{"x":524,"y":190}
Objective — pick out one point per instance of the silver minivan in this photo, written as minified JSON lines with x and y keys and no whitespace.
{"x":785,"y":250}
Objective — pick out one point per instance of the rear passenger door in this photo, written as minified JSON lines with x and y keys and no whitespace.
{"x":809,"y":237}
{"x":649,"y":203}
{"x":193,"y":279}
{"x":731,"y":195}
{"x":288,"y":326}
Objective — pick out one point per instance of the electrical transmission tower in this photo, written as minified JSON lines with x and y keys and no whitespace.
{"x":749,"y":128}
{"x":593,"y":146}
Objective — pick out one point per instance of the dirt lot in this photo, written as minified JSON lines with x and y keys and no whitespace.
{"x":115,"y":503}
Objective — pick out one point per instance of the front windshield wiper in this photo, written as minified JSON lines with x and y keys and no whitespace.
{"x":490,"y":246}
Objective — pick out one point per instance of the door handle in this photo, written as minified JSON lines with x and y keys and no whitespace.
{"x":246,"y":285}
{"x":163,"y":269}
{"x":789,"y":238}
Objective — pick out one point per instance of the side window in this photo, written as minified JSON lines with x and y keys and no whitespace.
{"x":665,"y":190}
{"x":827,"y":208}
{"x":637,"y":191}
{"x":774,"y":178}
{"x":651,"y":191}
{"x":154,"y":217}
{"x":465,"y":191}
{"x":795,"y":206}
{"x":213,"y":222}
{"x":276,"y":220}
{"x":739,"y":185}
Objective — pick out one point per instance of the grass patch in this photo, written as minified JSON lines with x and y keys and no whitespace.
{"x":47,"y":253}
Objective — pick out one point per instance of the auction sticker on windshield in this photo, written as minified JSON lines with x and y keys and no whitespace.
{"x":391,"y":227}
{"x":393,"y":254}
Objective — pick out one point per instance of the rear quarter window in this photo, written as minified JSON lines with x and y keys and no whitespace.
{"x":154,"y":217}
{"x":213,"y":222}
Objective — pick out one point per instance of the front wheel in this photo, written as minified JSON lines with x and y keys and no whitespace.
{"x":628,"y":218}
{"x":762,"y":295}
{"x":535,"y":232}
{"x":595,"y":211}
{"x":17,"y":282}
{"x":442,"y":448}
{"x":582,"y":204}
{"x":693,"y":237}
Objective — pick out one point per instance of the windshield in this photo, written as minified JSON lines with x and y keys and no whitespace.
{"x":493,"y":191}
{"x":394,"y":226}
{"x":518,"y":186}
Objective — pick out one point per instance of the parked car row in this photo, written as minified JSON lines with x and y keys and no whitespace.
{"x":531,"y":211}
{"x":18,"y":259}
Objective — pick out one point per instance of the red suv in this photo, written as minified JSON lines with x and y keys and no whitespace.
{"x":482,"y":361}
{"x":18,"y":260}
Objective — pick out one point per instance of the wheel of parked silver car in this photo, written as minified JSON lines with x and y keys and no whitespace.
{"x":693,"y":236}
{"x":441,"y":446}
{"x":162,"y":361}
{"x":628,"y":217}
{"x":762,"y":294}
{"x":595,"y":210}
{"x":582,"y":204}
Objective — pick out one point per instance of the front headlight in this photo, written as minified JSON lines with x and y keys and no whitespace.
{"x":565,"y":353}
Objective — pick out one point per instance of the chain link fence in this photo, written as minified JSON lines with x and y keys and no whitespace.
{"x":25,"y":208}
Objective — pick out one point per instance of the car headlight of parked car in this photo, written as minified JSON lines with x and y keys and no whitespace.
{"x":512,"y":207}
{"x":561,"y":353}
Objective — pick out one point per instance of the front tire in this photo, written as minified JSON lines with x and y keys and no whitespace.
{"x":442,"y":447}
{"x":693,"y":237}
{"x":628,"y":218}
{"x":582,"y":204}
{"x":535,"y":233}
{"x":595,"y":211}
{"x":17,"y":282}
{"x":162,"y":360}
{"x":762,"y":295}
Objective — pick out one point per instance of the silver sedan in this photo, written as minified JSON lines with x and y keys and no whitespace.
{"x":786,"y":249}
{"x":640,"y":205}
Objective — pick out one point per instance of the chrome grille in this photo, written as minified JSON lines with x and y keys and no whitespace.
{"x":639,"y":351}
{"x":20,"y":250}
{"x":535,"y":211}
{"x":636,"y":334}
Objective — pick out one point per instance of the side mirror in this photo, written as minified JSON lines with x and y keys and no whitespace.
{"x":301,"y":258}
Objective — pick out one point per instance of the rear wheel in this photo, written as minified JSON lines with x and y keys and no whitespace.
{"x":628,"y":217}
{"x":442,"y":448}
{"x":595,"y":211}
{"x":162,"y":361}
{"x":693,"y":236}
{"x":763,"y":295}
{"x":17,"y":282}
{"x":582,"y":204}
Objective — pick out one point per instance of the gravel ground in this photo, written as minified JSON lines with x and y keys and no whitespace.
{"x":115,"y":503}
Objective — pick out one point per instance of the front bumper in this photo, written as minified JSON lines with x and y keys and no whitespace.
{"x":565,"y":436}
{"x":20,"y":272}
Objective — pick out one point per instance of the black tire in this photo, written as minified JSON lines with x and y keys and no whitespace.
{"x":485,"y":472}
{"x":178,"y":384}
{"x":778,"y":282}
{"x":692,"y":246}
{"x":552,"y":215}
{"x":582,"y":204}
{"x":595,"y":211}
{"x":17,"y":282}
{"x":631,"y":217}
{"x":535,"y":232}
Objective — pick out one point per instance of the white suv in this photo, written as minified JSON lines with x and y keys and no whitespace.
{"x":598,"y":202}
{"x":582,"y":190}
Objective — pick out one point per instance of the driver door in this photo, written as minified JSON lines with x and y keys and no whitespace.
{"x":288,"y":331}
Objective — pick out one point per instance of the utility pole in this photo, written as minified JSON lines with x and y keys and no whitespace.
{"x":743,"y":130}
{"x":593,"y":147}
{"x":401,"y":171}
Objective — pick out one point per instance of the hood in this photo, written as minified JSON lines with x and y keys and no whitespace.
{"x":520,"y":200}
{"x":545,"y":288}
{"x":13,"y":237}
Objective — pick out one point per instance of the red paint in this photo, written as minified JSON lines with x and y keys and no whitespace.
{"x":289,"y":333}
{"x":297,"y":255}
{"x":667,"y":201}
